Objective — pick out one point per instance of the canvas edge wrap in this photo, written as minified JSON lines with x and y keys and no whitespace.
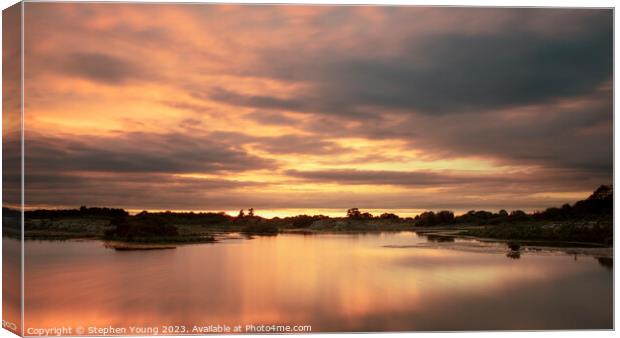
{"x":12,"y":169}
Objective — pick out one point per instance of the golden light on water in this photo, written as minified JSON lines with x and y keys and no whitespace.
{"x":354,"y":276}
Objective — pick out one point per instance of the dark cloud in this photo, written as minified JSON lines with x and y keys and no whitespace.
{"x":463,"y":73}
{"x":381,"y":177}
{"x":100,"y":67}
{"x":293,"y":144}
{"x":130,"y":190}
{"x":258,"y":101}
{"x":532,"y":58}
{"x":571,"y":133}
{"x":139,"y":152}
{"x":134,"y":170}
{"x":446,"y":72}
{"x":11,"y":61}
{"x":448,"y":92}
{"x":269,"y":118}
{"x":518,"y":181}
{"x":301,"y":103}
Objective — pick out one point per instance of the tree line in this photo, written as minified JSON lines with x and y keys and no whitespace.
{"x":600,"y":202}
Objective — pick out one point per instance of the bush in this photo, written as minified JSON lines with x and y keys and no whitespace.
{"x":136,"y":228}
{"x":260,"y":228}
{"x":600,"y":232}
{"x":302,"y":221}
{"x":388,"y":215}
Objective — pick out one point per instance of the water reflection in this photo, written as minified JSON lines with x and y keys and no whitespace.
{"x":607,"y":262}
{"x":514,"y":248}
{"x":439,"y":238}
{"x":334,"y":282}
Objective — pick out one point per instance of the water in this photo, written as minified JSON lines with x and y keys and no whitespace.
{"x":333,"y":282}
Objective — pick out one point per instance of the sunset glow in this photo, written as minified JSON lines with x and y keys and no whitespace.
{"x":315,"y":109}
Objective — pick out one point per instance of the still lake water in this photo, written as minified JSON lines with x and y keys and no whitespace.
{"x":333,"y":282}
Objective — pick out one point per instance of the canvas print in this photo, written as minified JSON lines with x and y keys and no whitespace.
{"x":188,"y":169}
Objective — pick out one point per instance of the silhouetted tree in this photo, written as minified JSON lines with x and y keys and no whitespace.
{"x":241,"y":214}
{"x":427,"y":218}
{"x":366,"y":215}
{"x":388,"y":215}
{"x":602,"y":193}
{"x":445,"y":217}
{"x":354,"y":213}
{"x":518,"y":215}
{"x":567,"y":209}
{"x":251,"y":212}
{"x":303,"y":221}
{"x":82,"y":211}
{"x":600,"y":202}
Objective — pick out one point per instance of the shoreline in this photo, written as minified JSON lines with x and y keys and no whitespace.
{"x":445,"y":237}
{"x":213,"y":236}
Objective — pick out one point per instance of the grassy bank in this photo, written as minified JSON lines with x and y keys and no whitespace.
{"x":598,"y":231}
{"x":558,"y":233}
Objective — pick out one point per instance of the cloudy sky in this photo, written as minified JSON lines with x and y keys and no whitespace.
{"x":315,"y":109}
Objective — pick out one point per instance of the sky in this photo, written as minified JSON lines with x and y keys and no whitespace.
{"x":295,"y":109}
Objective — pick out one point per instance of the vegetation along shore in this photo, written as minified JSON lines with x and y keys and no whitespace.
{"x":587,"y":222}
